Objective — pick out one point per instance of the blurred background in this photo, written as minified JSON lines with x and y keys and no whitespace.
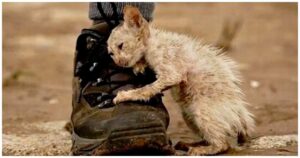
{"x":38,"y":51}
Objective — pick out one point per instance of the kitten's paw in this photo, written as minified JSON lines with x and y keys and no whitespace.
{"x":207,"y":150}
{"x":121,"y":97}
{"x":197,"y":151}
{"x":139,"y":68}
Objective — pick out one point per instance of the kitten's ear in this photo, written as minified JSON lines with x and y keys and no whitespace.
{"x":132,"y":16}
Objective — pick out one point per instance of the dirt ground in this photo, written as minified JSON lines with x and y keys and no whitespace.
{"x":38,"y":50}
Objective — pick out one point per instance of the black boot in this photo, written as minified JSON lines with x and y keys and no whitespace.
{"x":99,"y":126}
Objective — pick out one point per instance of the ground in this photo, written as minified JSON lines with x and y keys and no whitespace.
{"x":38,"y":51}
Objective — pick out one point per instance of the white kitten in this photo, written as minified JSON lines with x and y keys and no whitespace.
{"x":204,"y":83}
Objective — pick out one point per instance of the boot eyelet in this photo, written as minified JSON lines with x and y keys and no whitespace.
{"x":90,"y":43}
{"x":92,"y":68}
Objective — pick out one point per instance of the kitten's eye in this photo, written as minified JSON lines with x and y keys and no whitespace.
{"x":120,"y":46}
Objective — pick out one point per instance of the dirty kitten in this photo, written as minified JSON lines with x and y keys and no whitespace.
{"x":203,"y":82}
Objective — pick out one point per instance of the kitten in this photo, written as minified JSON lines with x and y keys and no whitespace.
{"x":203,"y":82}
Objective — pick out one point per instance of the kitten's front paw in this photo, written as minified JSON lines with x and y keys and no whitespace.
{"x":139,"y":68}
{"x":133,"y":95}
{"x":121,"y":97}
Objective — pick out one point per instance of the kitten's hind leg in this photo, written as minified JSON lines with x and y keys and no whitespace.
{"x":201,"y":118}
{"x":208,"y":150}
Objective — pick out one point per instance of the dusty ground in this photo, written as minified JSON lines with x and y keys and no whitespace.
{"x":38,"y":50}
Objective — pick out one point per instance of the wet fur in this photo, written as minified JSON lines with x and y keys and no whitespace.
{"x":204,"y":82}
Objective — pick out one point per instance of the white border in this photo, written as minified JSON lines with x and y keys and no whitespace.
{"x":144,"y":1}
{"x":150,"y":1}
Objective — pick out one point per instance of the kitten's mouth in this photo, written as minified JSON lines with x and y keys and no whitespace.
{"x":122,"y":64}
{"x":125,"y":63}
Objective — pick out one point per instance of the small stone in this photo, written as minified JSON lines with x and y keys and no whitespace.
{"x":254,"y":84}
{"x":53,"y":101}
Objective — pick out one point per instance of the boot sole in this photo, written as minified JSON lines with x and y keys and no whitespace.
{"x":151,"y":140}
